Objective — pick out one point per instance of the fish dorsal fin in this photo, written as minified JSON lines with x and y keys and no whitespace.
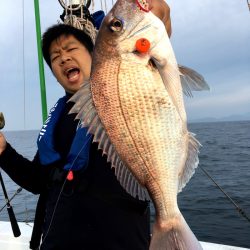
{"x":191,"y":81}
{"x":86,"y":112}
{"x":192,"y":161}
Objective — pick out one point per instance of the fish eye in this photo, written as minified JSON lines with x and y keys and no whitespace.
{"x":116,"y":25}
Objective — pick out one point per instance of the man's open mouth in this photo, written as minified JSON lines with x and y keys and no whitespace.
{"x":72,"y":73}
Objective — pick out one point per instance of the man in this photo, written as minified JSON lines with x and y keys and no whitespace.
{"x":93,"y":211}
{"x":81,"y":204}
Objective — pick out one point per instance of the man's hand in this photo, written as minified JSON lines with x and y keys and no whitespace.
{"x":3,"y":143}
{"x":161,"y":9}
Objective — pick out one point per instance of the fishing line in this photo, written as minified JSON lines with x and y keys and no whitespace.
{"x":67,"y":9}
{"x":61,"y":190}
{"x":92,"y":6}
{"x":24,"y":94}
{"x":13,"y":196}
{"x":24,"y":76}
{"x":106,"y":10}
{"x":238,"y":208}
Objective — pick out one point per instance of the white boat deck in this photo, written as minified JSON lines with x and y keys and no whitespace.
{"x":9,"y":242}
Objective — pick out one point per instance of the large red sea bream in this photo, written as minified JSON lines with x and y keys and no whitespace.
{"x":133,"y":105}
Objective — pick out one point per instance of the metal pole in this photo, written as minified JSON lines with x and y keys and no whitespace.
{"x":40,"y":61}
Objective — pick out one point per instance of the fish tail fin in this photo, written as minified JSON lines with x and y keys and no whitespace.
{"x":174,"y":235}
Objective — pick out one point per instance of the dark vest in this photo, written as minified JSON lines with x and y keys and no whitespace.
{"x":92,"y":207}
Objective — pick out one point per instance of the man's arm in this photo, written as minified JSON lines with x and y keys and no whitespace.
{"x":161,"y":9}
{"x":2,"y":143}
{"x":28,"y":174}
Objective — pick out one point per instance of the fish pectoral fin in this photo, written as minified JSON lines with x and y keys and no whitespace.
{"x":191,"y":163}
{"x":171,"y":78}
{"x":192,"y":81}
{"x":163,"y":57}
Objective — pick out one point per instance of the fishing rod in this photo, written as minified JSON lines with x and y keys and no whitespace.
{"x":13,"y":221}
{"x":238,"y":208}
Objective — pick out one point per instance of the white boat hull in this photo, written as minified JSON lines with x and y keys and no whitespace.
{"x":9,"y":242}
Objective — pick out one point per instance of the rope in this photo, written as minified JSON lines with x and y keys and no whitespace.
{"x":106,"y":9}
{"x":101,"y":4}
{"x":240,"y":210}
{"x":92,"y":5}
{"x":79,"y":22}
{"x":69,"y":6}
{"x":83,"y":24}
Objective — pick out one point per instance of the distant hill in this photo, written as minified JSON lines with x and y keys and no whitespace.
{"x":241,"y":117}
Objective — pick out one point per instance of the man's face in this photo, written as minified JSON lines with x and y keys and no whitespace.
{"x":70,"y":62}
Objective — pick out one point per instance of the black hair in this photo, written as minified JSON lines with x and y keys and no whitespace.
{"x":54,"y":32}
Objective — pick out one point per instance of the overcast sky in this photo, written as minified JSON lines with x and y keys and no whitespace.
{"x":212,"y":37}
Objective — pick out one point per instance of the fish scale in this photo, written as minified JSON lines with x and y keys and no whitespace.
{"x":109,"y":110}
{"x":139,"y":108}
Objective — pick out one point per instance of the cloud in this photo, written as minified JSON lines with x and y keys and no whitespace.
{"x":229,"y":94}
{"x":213,"y":38}
{"x":214,"y":33}
{"x":238,"y":97}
